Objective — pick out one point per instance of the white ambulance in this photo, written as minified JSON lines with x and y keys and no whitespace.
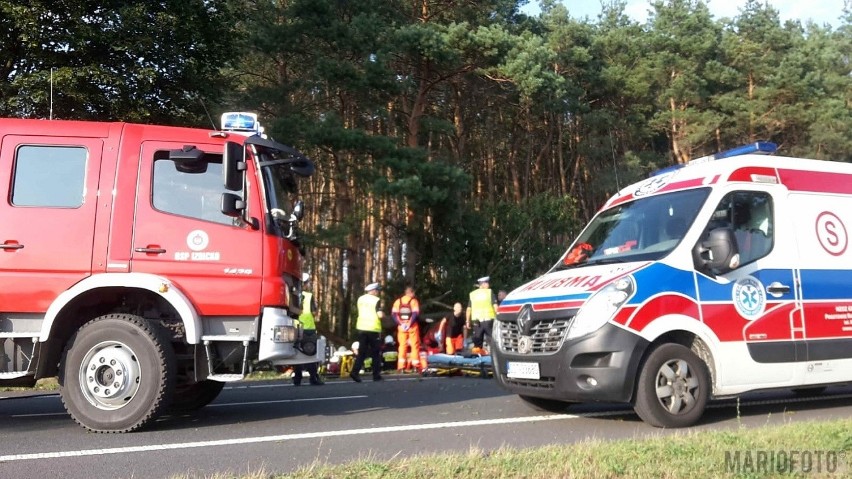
{"x":728,"y":275}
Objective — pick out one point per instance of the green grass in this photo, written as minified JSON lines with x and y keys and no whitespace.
{"x":46,"y":384}
{"x":686,"y":454}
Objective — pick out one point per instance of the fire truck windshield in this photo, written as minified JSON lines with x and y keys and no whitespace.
{"x":646,"y":229}
{"x":279,"y":168}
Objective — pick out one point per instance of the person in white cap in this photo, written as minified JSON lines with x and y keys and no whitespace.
{"x":309,"y":332}
{"x":481,"y":313}
{"x":369,"y":327}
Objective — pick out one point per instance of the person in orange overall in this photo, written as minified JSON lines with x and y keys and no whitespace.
{"x":405,"y":311}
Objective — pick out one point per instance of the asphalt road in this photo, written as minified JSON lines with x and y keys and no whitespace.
{"x":275,"y":427}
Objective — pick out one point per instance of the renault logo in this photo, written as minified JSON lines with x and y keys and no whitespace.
{"x":524,"y":318}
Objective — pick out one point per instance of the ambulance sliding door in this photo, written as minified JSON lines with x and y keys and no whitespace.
{"x":822,"y":238}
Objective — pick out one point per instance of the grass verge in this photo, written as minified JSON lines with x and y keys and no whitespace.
{"x":807,"y":449}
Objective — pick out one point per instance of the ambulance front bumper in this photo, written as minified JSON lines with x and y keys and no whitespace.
{"x":598,"y":367}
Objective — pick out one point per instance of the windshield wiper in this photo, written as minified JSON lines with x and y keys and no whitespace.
{"x":604,"y":261}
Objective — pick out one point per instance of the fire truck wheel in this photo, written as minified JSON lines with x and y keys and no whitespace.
{"x":542,"y":404}
{"x":117,"y":373}
{"x":194,"y":396}
{"x":673,"y":387}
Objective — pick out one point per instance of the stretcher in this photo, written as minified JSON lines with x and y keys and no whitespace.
{"x":448,"y":364}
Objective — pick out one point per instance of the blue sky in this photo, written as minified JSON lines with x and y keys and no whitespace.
{"x":820,"y":11}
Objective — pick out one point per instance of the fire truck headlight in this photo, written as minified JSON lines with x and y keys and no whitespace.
{"x":601,"y":307}
{"x":285,"y":334}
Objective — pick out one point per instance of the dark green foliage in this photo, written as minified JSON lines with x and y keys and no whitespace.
{"x":152,"y":62}
{"x":453,"y":139}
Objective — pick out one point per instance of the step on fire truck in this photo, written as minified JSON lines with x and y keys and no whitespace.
{"x":727,"y":275}
{"x":146,"y":266}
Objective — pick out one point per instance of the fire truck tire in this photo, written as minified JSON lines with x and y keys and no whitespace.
{"x":673,"y":387}
{"x":117,"y":373}
{"x":194,"y":396}
{"x":542,"y":404}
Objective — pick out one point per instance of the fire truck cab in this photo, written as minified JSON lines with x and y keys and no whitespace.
{"x":727,"y":275}
{"x":145,"y":265}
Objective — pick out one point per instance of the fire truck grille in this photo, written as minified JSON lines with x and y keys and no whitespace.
{"x":546,"y":335}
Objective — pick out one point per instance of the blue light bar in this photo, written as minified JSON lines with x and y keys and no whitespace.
{"x":757,"y":148}
{"x":665,"y":170}
{"x":240,"y":121}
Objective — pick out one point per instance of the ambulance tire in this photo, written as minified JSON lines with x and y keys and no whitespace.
{"x":194,"y":396}
{"x":117,"y":373}
{"x":673,"y":387}
{"x":542,"y":404}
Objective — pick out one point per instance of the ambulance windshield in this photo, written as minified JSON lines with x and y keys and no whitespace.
{"x":645,"y":229}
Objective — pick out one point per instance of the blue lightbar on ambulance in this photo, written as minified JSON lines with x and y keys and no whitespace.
{"x":756,"y":148}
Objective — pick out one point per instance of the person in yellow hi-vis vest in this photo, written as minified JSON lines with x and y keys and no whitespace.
{"x":309,"y":331}
{"x":405,"y":312}
{"x":481,"y":313}
{"x":369,"y":328}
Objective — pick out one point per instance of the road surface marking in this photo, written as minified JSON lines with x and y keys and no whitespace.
{"x":363,"y":431}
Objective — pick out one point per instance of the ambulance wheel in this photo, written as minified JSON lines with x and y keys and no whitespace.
{"x":673,"y":387}
{"x":194,"y":396}
{"x":117,"y":373}
{"x":542,"y":404}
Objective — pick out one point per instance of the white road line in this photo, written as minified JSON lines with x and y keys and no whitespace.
{"x":329,"y":383}
{"x":282,"y":437}
{"x":373,"y":430}
{"x":285,"y":400}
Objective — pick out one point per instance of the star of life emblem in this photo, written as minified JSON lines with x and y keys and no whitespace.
{"x":749,"y":297}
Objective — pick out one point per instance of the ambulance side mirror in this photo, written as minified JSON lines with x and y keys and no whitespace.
{"x":717,"y":253}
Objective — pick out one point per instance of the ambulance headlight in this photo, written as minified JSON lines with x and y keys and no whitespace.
{"x":497,"y":334}
{"x":601,"y":307}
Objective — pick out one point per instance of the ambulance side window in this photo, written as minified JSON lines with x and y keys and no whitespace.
{"x":749,"y":215}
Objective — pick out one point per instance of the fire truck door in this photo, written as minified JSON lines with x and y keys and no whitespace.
{"x":181,"y":233}
{"x":51,"y":193}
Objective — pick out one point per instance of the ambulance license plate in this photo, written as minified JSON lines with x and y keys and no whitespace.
{"x":521,"y":370}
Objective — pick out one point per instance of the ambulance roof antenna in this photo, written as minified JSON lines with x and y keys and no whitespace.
{"x":614,"y":166}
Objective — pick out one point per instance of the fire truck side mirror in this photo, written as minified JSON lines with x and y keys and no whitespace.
{"x":299,"y":210}
{"x":233,"y":166}
{"x":189,"y":159}
{"x":232,"y":205}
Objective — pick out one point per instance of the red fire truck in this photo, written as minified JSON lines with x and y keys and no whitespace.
{"x":146,"y":266}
